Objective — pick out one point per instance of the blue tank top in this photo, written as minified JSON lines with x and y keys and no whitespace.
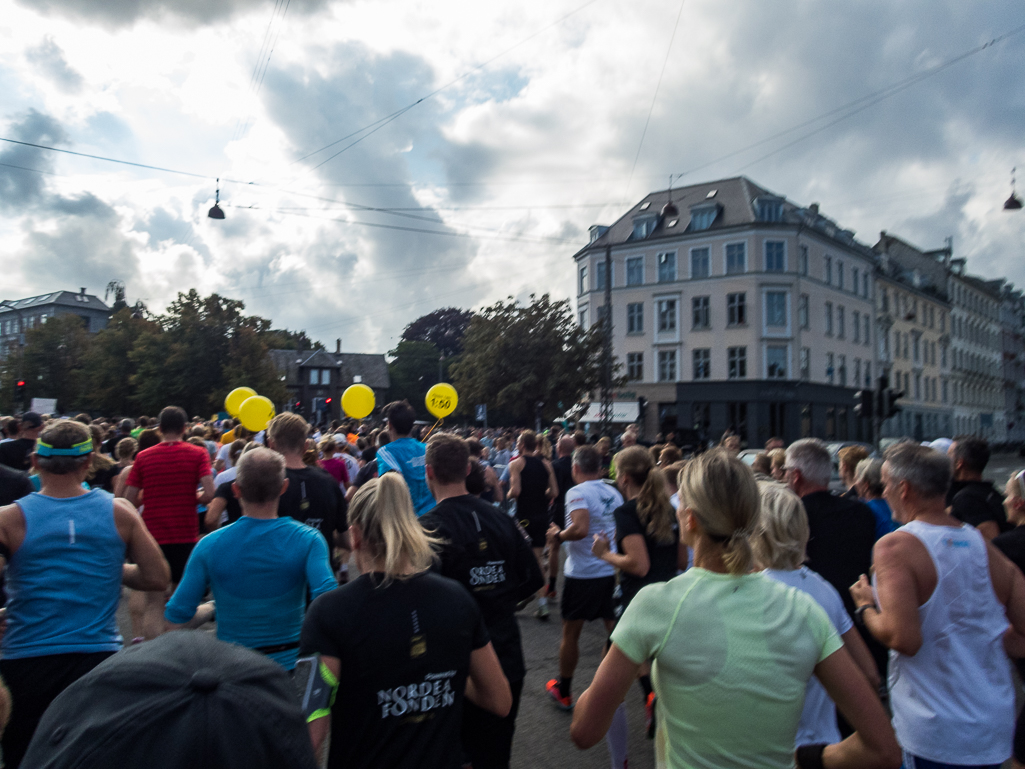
{"x":64,"y":582}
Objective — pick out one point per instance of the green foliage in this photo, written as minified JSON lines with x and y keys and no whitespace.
{"x":283,"y":339}
{"x":53,"y":360}
{"x":412,"y":372}
{"x":443,"y":328}
{"x":109,"y":366}
{"x":515,"y":355}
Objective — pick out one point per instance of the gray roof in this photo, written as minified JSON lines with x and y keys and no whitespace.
{"x":373,"y":368}
{"x":736,"y":199}
{"x":63,"y":298}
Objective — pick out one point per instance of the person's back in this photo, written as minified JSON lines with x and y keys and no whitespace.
{"x":533,"y":501}
{"x":954,"y":697}
{"x":843,"y":531}
{"x":600,"y":500}
{"x":168,"y":475}
{"x":405,"y":455}
{"x":315,"y":499}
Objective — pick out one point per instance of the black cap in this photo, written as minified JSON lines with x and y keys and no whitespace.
{"x":184,"y":699}
{"x":31,"y":420}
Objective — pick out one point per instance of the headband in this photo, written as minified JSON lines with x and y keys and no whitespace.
{"x":78,"y":450}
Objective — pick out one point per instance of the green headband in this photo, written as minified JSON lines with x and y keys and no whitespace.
{"x":78,"y":450}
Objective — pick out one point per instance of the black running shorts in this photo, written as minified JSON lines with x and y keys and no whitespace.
{"x":588,"y":599}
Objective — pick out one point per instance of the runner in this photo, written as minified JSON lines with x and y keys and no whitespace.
{"x":259,"y":568}
{"x":406,"y":644}
{"x":405,"y":455}
{"x":167,"y":476}
{"x":532,"y":484}
{"x":589,"y":582}
{"x":65,"y":551}
{"x":562,"y":468}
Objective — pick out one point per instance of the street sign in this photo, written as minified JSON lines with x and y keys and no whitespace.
{"x":482,"y":412}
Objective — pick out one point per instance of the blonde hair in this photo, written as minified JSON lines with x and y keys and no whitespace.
{"x":778,"y":458}
{"x":383,"y":511}
{"x":722,"y":494}
{"x":781,"y":535}
{"x":653,"y":508}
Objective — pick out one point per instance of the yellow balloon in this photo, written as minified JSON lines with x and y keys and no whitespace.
{"x":442,"y":399}
{"x":358,"y":401}
{"x":233,"y":403}
{"x":255,"y":412}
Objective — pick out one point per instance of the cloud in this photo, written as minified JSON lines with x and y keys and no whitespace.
{"x":23,"y":169}
{"x":49,"y":59}
{"x":122,"y":13}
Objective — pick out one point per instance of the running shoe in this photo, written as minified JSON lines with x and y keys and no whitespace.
{"x":552,"y":595}
{"x":542,"y":612}
{"x":562,"y":703}
{"x":649,"y":716}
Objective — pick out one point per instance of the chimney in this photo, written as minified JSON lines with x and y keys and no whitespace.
{"x":814,"y":208}
{"x":82,"y":291}
{"x":338,"y":345}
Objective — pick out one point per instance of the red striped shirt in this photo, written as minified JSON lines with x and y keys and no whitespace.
{"x":169,"y":474}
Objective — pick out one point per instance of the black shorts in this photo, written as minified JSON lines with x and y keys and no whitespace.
{"x":177,"y":555}
{"x":536,"y":528}
{"x":588,"y":599}
{"x":487,"y":739}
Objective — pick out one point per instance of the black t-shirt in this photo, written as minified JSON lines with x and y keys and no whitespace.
{"x":366,"y":473}
{"x":842,"y":532}
{"x":533,"y":500}
{"x":663,"y":558}
{"x":13,"y":485}
{"x":1012,"y":544}
{"x":16,"y":453}
{"x":976,"y":502}
{"x":104,"y":478}
{"x":563,"y":469}
{"x":404,"y":651}
{"x":314,"y":497}
{"x":232,"y":507}
{"x":485,"y":551}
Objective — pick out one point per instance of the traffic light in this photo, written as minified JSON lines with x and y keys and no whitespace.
{"x":642,"y":406}
{"x":327,"y":401}
{"x":864,"y":400}
{"x":889,"y":404}
{"x":19,"y":389}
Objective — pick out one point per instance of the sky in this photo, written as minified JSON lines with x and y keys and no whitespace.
{"x":380,"y":160}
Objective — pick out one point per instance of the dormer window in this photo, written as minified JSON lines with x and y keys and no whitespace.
{"x":702,"y":216}
{"x":769,"y":209}
{"x":644,"y":226}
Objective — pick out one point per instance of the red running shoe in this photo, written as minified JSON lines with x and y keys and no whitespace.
{"x":649,"y":716}
{"x":562,"y":703}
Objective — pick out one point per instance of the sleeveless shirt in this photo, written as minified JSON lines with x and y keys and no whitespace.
{"x":533,"y":502}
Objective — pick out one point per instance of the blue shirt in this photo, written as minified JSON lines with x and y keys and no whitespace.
{"x":408,"y":457}
{"x":884,"y":518}
{"x":258,"y":570}
{"x":64,"y":581}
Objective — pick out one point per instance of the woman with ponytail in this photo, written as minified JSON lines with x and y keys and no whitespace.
{"x":406,"y":644}
{"x":732,"y":650}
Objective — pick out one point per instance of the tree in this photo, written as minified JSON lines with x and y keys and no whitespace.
{"x":443,"y":328}
{"x":283,"y":339}
{"x":53,"y":361}
{"x":516,"y":356}
{"x":412,"y":372}
{"x":109,"y":365}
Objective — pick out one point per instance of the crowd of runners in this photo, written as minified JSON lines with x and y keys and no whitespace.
{"x":353,"y":595}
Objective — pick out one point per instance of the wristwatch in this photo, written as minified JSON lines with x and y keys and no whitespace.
{"x":859,"y":613}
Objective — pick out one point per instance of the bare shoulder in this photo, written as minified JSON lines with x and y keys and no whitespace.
{"x":896,"y":545}
{"x":11,"y":514}
{"x":125,"y":510}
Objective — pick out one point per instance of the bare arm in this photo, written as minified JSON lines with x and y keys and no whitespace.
{"x":579,"y":523}
{"x":862,"y":656}
{"x":514,"y":478}
{"x":633,"y":561}
{"x":487,"y":686}
{"x":988,"y":529}
{"x":592,"y":715}
{"x":132,"y":495}
{"x":207,"y":482}
{"x":1009,"y":587}
{"x":873,"y":742}
{"x":895,"y":623}
{"x":149,"y":570}
{"x":212,"y":519}
{"x":553,"y":486}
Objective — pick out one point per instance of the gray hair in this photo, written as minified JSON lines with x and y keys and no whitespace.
{"x":870,"y":471}
{"x":781,"y":535}
{"x":924,"y":469}
{"x":811,"y":457}
{"x":260,"y":476}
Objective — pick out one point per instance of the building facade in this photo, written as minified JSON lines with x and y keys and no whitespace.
{"x":734,"y":309}
{"x":1012,"y":330}
{"x":19,"y":315}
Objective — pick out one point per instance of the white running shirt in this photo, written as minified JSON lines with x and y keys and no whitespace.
{"x":599,"y":499}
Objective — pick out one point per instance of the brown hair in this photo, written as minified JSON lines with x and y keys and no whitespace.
{"x":288,"y":433}
{"x":653,"y":507}
{"x":448,"y":457}
{"x":849,"y":456}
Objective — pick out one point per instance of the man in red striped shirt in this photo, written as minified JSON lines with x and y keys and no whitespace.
{"x":172,"y":478}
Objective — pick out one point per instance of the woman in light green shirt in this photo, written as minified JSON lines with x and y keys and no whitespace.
{"x":731,"y":650}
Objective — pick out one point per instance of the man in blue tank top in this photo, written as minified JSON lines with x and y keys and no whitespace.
{"x":65,"y":549}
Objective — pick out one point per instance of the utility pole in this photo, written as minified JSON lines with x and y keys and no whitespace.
{"x":606,"y":384}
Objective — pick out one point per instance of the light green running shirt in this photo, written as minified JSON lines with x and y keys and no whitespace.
{"x":731,"y":657}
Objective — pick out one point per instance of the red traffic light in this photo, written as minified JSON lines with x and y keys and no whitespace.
{"x":327,"y":400}
{"x":21,"y":383}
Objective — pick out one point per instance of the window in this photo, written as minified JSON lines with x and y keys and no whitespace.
{"x":864,"y":285}
{"x":776,"y":361}
{"x":864,"y":332}
{"x":839,"y":275}
{"x":635,"y":318}
{"x":830,"y":370}
{"x":667,"y":365}
{"x":775,"y":256}
{"x":856,"y":325}
{"x":602,"y":313}
{"x":805,"y":363}
{"x":918,"y":387}
{"x":916,"y":348}
{"x":868,"y":373}
{"x":314,"y":376}
{"x":666,"y":315}
{"x":703,"y":363}
{"x":884,"y":300}
{"x":943,"y":386}
{"x":582,"y":318}
{"x":702,"y":217}
{"x":802,"y":311}
{"x":635,"y":271}
{"x":841,"y":369}
{"x":736,"y":309}
{"x":667,"y":267}
{"x":737,"y":362}
{"x":702,"y":316}
{"x":857,"y":371}
{"x":736,"y":258}
{"x":769,"y":209}
{"x":943,"y":323}
{"x":776,"y":309}
{"x":738,"y":417}
{"x":854,"y":279}
{"x":827,"y":262}
{"x":804,"y":260}
{"x":839,"y":322}
{"x":643,"y":227}
{"x":599,"y":276}
{"x":583,"y":280}
{"x":943,"y":359}
{"x":829,"y":319}
{"x":635,"y":366}
{"x":699,"y":263}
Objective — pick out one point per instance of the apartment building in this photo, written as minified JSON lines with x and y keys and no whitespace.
{"x":1012,"y":330}
{"x":19,"y":315}
{"x":733,"y":308}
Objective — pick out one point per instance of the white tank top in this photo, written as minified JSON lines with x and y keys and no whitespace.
{"x":953,"y":701}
